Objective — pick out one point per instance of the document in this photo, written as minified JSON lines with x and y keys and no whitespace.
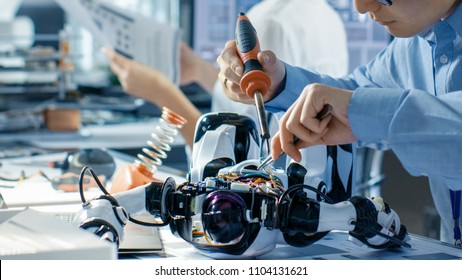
{"x":135,"y":36}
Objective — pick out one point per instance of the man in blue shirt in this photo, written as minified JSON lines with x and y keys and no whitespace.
{"x":408,"y":98}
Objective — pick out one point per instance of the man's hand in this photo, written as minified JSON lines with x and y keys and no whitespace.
{"x":232,"y":70}
{"x":302,"y":121}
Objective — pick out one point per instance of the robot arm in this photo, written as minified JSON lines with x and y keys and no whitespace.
{"x":369,"y":221}
{"x":107,"y":215}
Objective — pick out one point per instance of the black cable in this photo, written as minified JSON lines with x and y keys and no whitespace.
{"x":146,"y":223}
{"x":298,"y":187}
{"x":110,"y":198}
{"x":21,"y":177}
{"x":98,"y":182}
{"x":11,"y":179}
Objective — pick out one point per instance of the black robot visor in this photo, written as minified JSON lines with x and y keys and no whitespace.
{"x":225,"y":212}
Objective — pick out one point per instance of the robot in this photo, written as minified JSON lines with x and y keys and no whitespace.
{"x":229,"y":209}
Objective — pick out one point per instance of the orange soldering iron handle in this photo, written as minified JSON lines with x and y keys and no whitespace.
{"x":248,"y":47}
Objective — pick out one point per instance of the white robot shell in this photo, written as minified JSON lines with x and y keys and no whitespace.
{"x":222,"y":139}
{"x":103,"y":218}
{"x":264,"y":243}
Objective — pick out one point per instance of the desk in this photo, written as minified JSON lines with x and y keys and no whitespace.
{"x":335,"y":246}
{"x":113,"y":136}
{"x":37,"y":191}
{"x":127,"y":137}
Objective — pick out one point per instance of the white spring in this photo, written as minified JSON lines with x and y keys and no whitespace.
{"x":164,"y":135}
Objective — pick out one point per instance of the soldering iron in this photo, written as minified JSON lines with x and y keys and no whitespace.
{"x":255,"y":83}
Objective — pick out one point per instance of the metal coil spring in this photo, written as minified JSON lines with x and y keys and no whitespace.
{"x":162,"y":138}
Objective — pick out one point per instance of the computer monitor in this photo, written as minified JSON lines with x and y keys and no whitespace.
{"x":214,"y":23}
{"x":48,"y":19}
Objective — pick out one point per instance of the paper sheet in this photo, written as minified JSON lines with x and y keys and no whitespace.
{"x":133,"y":35}
{"x":29,"y":234}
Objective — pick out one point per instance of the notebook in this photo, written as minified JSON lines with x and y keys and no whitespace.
{"x":30,"y":234}
{"x":138,"y":239}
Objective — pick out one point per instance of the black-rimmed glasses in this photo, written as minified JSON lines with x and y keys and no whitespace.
{"x":385,"y":2}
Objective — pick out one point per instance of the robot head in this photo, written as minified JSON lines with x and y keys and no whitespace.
{"x":225,"y":216}
{"x":225,"y":140}
{"x":222,"y":139}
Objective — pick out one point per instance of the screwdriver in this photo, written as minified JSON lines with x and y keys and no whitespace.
{"x":255,"y":83}
{"x":325,"y":111}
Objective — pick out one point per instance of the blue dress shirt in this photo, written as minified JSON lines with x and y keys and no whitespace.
{"x":408,"y":98}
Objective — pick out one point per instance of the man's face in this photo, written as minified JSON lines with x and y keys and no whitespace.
{"x":406,"y":18}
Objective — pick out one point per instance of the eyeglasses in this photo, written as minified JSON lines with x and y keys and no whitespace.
{"x":385,"y":2}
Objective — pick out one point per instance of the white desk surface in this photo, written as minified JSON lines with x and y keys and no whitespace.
{"x":37,"y":191}
{"x":334,"y":246}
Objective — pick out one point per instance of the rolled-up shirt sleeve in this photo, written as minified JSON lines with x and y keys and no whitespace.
{"x":423,"y":130}
{"x":296,"y":80}
{"x":371,"y":111}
